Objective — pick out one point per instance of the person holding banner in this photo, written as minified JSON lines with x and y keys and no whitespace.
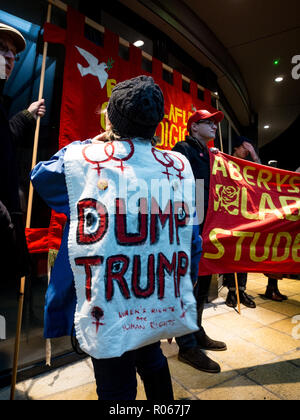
{"x":243,"y":149}
{"x":123,"y":273}
{"x":202,"y":127}
{"x":14,"y":256}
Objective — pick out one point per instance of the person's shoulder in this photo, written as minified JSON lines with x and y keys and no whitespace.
{"x":181,"y":158}
{"x":184,"y":148}
{"x":80,"y":142}
{"x":177,"y":153}
{"x":181,"y":145}
{"x":77,"y":143}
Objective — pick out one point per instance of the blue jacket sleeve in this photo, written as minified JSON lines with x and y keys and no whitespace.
{"x":48,"y":179}
{"x":196,"y":252}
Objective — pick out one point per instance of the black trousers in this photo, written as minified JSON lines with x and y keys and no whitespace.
{"x":229,"y":280}
{"x":116,"y":377}
{"x":201,"y":290}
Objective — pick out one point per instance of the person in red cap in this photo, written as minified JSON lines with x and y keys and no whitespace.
{"x":202,"y":127}
{"x":14,"y":260}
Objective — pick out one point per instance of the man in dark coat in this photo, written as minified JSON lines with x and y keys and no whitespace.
{"x":14,"y":260}
{"x":201,"y":126}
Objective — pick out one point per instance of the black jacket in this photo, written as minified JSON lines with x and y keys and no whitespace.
{"x":14,"y":259}
{"x":198,"y":157}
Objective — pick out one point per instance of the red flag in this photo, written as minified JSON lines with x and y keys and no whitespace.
{"x":92,"y":71}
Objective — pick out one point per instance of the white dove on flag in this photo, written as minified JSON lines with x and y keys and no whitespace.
{"x":95,"y":69}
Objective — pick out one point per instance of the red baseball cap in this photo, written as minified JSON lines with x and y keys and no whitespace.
{"x":203,"y":114}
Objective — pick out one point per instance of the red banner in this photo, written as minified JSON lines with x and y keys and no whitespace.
{"x":90,"y":74}
{"x":253,"y":219}
{"x":92,"y":71}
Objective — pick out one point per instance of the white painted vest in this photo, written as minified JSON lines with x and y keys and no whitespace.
{"x":130,"y":245}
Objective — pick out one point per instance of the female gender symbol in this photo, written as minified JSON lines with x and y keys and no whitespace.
{"x":169,"y":162}
{"x":109,"y":150}
{"x":97,"y":313}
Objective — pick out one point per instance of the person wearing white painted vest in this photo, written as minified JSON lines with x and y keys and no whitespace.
{"x":130,"y":248}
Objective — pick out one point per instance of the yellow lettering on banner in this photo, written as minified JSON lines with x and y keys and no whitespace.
{"x":173,"y":127}
{"x":266,"y":199}
{"x":244,"y":210}
{"x":219,"y":165}
{"x":234,"y":171}
{"x":172,"y":116}
{"x":287,"y":247}
{"x":217,"y":202}
{"x":280,"y":182}
{"x":166,"y":134}
{"x":287,"y":208}
{"x":213,"y":239}
{"x":247,"y":176}
{"x":294,"y":189}
{"x":263,"y":180}
{"x":184,"y":120}
{"x":275,"y":243}
{"x":178,"y":113}
{"x":241,"y":235}
{"x":103,"y":115}
{"x":170,"y":134}
{"x":111,"y":83}
{"x":162,"y":135}
{"x":296,"y":249}
{"x":253,"y":256}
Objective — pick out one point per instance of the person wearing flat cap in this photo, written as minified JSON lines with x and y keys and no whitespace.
{"x":201,"y":126}
{"x":129,"y":275}
{"x":14,"y":259}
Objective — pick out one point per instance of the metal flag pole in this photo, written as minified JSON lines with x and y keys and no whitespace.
{"x":28,"y":221}
{"x":235,"y":274}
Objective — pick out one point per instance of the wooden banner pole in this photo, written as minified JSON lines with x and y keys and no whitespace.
{"x":28,"y":221}
{"x":237,"y":292}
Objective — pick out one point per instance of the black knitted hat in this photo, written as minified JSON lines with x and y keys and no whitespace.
{"x":136,"y":107}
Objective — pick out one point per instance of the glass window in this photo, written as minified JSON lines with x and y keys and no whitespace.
{"x":22,"y":89}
